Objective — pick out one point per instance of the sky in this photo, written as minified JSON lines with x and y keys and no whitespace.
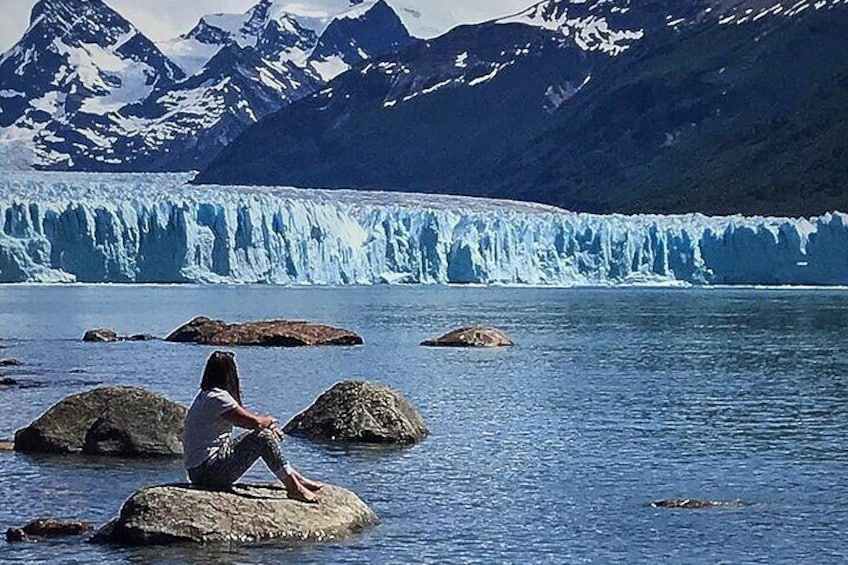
{"x":165,"y":19}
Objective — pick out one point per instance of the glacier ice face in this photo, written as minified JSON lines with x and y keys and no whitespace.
{"x":61,"y":227}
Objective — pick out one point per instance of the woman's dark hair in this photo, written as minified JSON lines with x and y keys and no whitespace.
{"x":221,"y":372}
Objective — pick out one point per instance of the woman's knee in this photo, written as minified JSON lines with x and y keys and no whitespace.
{"x":267,"y":438}
{"x":266,"y":434}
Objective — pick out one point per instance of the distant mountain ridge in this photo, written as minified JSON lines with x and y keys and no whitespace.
{"x":718,"y":106}
{"x":135,"y":109}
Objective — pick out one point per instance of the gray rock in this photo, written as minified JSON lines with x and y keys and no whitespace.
{"x":100,"y":335}
{"x":474,"y":336}
{"x":248,"y":513}
{"x":359,"y":412}
{"x":114,"y":420}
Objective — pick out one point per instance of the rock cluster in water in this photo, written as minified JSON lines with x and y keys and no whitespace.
{"x":247,"y":513}
{"x":103,"y":335}
{"x":276,"y":333}
{"x":113,"y":420}
{"x":359,"y":412}
{"x":474,"y":336}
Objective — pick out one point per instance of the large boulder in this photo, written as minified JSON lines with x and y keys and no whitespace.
{"x":277,"y":333}
{"x":359,"y":412}
{"x":248,"y":513}
{"x":474,"y":336}
{"x":114,"y":420}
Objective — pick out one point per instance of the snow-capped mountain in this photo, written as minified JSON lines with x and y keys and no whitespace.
{"x":77,"y":56}
{"x":599,"y":105}
{"x":201,"y":90}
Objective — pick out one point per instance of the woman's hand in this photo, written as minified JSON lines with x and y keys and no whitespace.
{"x":265,"y":421}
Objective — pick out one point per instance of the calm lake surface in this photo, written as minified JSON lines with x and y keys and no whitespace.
{"x":548,"y":452}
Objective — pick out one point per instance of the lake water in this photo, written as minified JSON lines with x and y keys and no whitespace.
{"x":550,"y":451}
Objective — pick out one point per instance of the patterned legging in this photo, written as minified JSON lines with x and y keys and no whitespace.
{"x":233,"y":460}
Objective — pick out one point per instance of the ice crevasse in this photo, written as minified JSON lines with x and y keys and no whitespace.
{"x":61,"y":227}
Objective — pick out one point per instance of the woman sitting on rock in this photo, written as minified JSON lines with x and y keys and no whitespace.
{"x":213,"y":458}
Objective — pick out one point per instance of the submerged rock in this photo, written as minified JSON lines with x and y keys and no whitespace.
{"x":692,"y":503}
{"x":140,"y":337}
{"x":247,"y":513}
{"x":100,"y":335}
{"x":474,"y":336}
{"x":279,"y":333}
{"x":113,"y":420}
{"x":359,"y":412}
{"x":47,"y":527}
{"x":8,"y":381}
{"x":16,"y":534}
{"x":11,"y":363}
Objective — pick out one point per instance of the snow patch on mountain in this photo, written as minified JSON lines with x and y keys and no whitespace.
{"x":744,"y":14}
{"x":587,"y":24}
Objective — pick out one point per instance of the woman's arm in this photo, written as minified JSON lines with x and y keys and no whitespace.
{"x":242,"y":418}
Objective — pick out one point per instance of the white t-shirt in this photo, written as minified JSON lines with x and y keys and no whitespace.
{"x":205,"y":428}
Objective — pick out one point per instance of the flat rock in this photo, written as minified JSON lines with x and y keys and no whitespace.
{"x":359,"y":412}
{"x":101,"y":335}
{"x":270,"y":333}
{"x":113,"y":420}
{"x":249,"y":513}
{"x":47,"y":527}
{"x":11,"y":363}
{"x":474,"y":336}
{"x":692,"y":503}
{"x":7,"y":445}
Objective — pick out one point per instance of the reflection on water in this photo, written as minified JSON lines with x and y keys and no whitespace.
{"x":550,"y":451}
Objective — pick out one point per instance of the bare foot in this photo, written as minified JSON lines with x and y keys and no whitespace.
{"x":308,"y":483}
{"x":297,"y":491}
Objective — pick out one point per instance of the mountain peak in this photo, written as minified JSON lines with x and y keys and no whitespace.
{"x":79,"y":21}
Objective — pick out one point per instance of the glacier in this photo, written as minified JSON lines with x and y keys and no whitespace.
{"x":156,"y":228}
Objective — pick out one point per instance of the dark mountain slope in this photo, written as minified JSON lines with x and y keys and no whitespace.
{"x":361,"y":132}
{"x":691,"y":115}
{"x":721,"y":122}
